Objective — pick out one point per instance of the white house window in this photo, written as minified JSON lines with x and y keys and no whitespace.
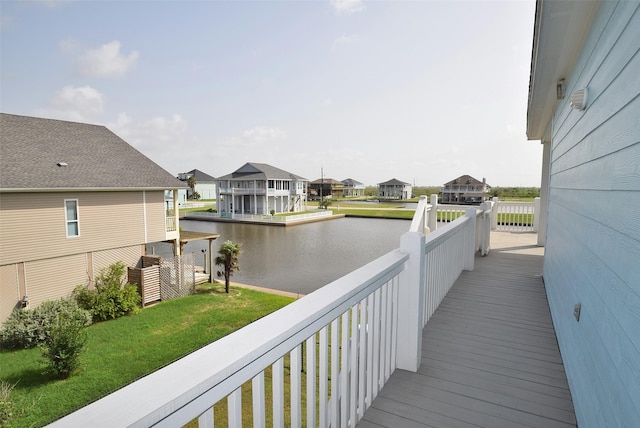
{"x":71,"y":217}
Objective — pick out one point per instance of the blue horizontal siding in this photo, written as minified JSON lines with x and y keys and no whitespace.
{"x":592,"y":254}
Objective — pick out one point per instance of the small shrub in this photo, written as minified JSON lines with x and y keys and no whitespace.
{"x":26,"y":328}
{"x":6,"y":403}
{"x":112,"y":297}
{"x":63,"y":346}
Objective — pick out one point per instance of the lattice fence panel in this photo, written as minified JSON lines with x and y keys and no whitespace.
{"x":177,"y":276}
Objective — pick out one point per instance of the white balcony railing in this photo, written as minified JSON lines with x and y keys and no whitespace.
{"x":170,"y":223}
{"x":506,"y":216}
{"x":351,"y":334}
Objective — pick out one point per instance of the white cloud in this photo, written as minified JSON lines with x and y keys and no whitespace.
{"x":163,"y":134}
{"x":262,"y":134}
{"x":105,"y":61}
{"x":79,"y":104}
{"x":327,"y":102}
{"x":347,"y":7}
{"x":344,"y":40}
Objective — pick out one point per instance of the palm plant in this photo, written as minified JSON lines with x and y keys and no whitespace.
{"x":191,"y":182}
{"x":228,"y":259}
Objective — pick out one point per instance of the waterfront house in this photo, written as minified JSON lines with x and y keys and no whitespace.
{"x":74,"y":198}
{"x":205,"y":185}
{"x":394,"y":189}
{"x":352,"y":188}
{"x":258,"y":188}
{"x":325,"y":188}
{"x":584,"y":106}
{"x":465,"y":190}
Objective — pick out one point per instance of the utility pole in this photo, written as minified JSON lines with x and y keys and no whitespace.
{"x":321,"y":184}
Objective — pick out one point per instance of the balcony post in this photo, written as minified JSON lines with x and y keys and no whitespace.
{"x":411,"y":302}
{"x":536,"y":214}
{"x":176,"y":213}
{"x":433,"y":214}
{"x":470,"y":240}
{"x":494,"y":213}
{"x":487,"y":212}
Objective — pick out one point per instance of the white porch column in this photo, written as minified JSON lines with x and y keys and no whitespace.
{"x":544,"y":193}
{"x":411,"y":303}
{"x":176,"y":212}
{"x":433,"y":216}
{"x":494,"y":214}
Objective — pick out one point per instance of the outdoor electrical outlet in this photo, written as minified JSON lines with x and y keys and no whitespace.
{"x":576,"y":311}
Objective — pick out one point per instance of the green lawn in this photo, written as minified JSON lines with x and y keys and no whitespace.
{"x":128,"y":348}
{"x":377,"y":213}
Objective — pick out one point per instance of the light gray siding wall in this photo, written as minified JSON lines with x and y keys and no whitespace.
{"x":592,"y":254}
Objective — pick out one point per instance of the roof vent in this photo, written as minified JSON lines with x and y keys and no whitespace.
{"x":62,"y":164}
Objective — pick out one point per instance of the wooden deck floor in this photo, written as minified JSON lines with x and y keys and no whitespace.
{"x":490,"y":356}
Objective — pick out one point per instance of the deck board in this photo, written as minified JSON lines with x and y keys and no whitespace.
{"x":490,"y":355}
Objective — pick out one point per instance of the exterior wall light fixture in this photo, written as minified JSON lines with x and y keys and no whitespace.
{"x":560,"y":89}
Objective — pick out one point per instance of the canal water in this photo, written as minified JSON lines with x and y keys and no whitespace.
{"x":300,"y":258}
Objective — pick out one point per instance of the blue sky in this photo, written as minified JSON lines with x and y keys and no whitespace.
{"x":421,"y":91}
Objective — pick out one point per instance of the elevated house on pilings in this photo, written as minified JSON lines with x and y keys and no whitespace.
{"x":352,"y":188}
{"x":259,"y":188}
{"x":395,"y":189}
{"x":325,"y":188}
{"x":465,"y":190}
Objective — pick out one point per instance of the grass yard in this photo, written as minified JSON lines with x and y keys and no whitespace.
{"x":376,"y":213}
{"x":128,"y":348}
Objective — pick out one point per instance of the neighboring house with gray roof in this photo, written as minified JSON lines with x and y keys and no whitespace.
{"x":74,"y":198}
{"x":258,"y":188}
{"x":394,"y":189}
{"x":205,"y":185}
{"x":352,"y":188}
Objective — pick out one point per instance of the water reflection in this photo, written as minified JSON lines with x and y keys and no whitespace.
{"x":299,"y":258}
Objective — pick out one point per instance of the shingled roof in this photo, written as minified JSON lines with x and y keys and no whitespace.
{"x":260,"y":171}
{"x":44,"y":154}
{"x":394,"y":182}
{"x":465,"y":179}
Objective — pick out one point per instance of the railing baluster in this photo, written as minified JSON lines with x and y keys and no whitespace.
{"x":205,"y":420}
{"x":311,"y":380}
{"x":257,"y":393}
{"x":295,"y":390}
{"x":394,"y":330}
{"x":234,"y":408}
{"x":334,"y":401}
{"x":362,"y":357}
{"x":353,"y":367}
{"x":383,"y":334}
{"x":278,"y":392}
{"x":323,"y":379}
{"x":369,"y":332}
{"x":376,"y":344}
{"x":344,"y":370}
